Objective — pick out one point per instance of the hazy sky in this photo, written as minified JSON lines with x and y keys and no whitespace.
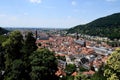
{"x":54,"y":13}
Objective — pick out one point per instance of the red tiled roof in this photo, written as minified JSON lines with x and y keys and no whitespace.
{"x":89,"y":72}
{"x":87,"y":50}
{"x":60,"y":72}
{"x":104,"y":59}
{"x":74,"y":74}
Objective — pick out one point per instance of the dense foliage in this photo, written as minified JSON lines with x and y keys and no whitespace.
{"x":44,"y":65}
{"x":108,"y":26}
{"x":20,"y":59}
{"x":3,"y":38}
{"x":81,"y":76}
{"x":112,"y":68}
{"x":13,"y":56}
{"x":99,"y":74}
{"x":70,"y":68}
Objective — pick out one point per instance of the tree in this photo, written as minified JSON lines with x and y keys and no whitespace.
{"x":39,"y":44}
{"x":17,"y":69}
{"x":2,"y":52}
{"x":1,"y":58}
{"x":70,"y":68}
{"x":13,"y":46}
{"x":67,"y":77}
{"x":99,"y":74}
{"x":29,"y":44}
{"x":81,"y":76}
{"x":112,"y":68}
{"x":44,"y":65}
{"x":28,"y":48}
{"x":61,"y":58}
{"x":3,"y":38}
{"x":82,"y":69}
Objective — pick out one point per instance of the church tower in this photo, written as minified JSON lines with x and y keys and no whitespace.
{"x":36,"y":34}
{"x":77,"y":36}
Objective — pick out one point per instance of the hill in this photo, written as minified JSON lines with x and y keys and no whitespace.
{"x":2,"y":31}
{"x":108,"y":26}
{"x":3,"y":37}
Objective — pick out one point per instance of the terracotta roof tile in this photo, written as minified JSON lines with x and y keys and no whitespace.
{"x":89,"y":72}
{"x":74,"y":74}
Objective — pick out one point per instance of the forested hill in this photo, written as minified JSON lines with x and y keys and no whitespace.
{"x":108,"y":26}
{"x":2,"y":31}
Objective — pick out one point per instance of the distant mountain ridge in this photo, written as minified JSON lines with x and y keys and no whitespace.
{"x":2,"y":31}
{"x":108,"y":26}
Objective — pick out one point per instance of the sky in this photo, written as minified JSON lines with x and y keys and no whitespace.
{"x":54,"y":13}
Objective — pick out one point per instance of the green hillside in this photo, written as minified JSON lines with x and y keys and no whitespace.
{"x":2,"y":31}
{"x":108,"y":26}
{"x":3,"y":37}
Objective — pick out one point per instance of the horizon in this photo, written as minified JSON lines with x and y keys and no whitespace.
{"x":13,"y":27}
{"x":54,"y":13}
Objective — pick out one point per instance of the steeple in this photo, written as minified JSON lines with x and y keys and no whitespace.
{"x":36,"y":34}
{"x":77,"y":37}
